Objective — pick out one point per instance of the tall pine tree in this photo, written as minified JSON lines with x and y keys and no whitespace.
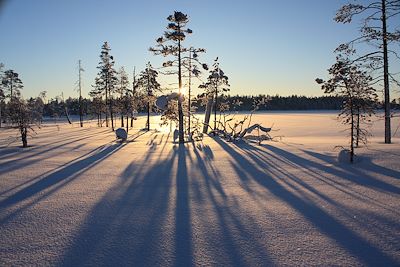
{"x":107,"y":79}
{"x":376,"y":32}
{"x":170,"y":44}
{"x":148,"y":85}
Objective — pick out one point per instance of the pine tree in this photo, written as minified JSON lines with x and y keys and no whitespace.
{"x":148,"y":84}
{"x":12,"y":84}
{"x":20,"y":117}
{"x":20,"y":113}
{"x":107,"y":79}
{"x":171,"y":45}
{"x":353,"y":85}
{"x":375,"y":31}
{"x":98,"y":105}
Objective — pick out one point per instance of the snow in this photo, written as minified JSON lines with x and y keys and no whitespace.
{"x":121,"y":133}
{"x":344,"y":156}
{"x":77,"y":197}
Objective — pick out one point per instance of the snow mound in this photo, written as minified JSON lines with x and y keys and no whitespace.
{"x":344,"y":156}
{"x":120,"y":133}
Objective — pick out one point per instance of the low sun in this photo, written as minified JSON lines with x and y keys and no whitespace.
{"x":184,"y":91}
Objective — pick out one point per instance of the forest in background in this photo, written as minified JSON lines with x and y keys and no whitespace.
{"x":56,"y":107}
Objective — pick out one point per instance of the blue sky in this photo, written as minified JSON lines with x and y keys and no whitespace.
{"x":264,"y":46}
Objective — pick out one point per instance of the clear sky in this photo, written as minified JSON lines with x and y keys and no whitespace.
{"x":264,"y":46}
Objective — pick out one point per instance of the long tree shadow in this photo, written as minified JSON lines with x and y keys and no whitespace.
{"x":183,"y":230}
{"x":366,"y":163}
{"x":349,"y":172}
{"x":56,"y":180}
{"x":32,"y":158}
{"x":25,"y":164}
{"x":45,"y":174}
{"x":62,"y":137}
{"x":229,"y":247}
{"x":147,"y":218}
{"x":366,"y":252}
{"x":127,"y":226}
{"x":340,"y":174}
{"x":67,"y":170}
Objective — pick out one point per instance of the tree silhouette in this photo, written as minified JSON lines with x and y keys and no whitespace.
{"x":80,"y":69}
{"x":170,"y":44}
{"x":106,"y":80}
{"x":147,"y":82}
{"x":97,"y":105}
{"x":374,"y":31}
{"x":192,"y":64}
{"x":12,"y":84}
{"x":217,"y":82}
{"x":353,"y":85}
{"x":20,"y":116}
{"x":123,"y":91}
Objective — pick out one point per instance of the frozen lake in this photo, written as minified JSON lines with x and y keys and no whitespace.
{"x":76,"y":197}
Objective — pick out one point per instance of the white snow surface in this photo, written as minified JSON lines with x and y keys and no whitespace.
{"x":77,"y":197}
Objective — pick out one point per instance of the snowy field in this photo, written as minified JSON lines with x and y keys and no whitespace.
{"x":76,"y":197}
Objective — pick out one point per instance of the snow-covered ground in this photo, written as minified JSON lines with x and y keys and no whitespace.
{"x":76,"y":197}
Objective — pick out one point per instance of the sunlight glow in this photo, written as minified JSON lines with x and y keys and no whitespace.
{"x":184,"y":91}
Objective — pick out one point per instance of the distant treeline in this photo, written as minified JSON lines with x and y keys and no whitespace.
{"x":277,"y":102}
{"x":56,"y":107}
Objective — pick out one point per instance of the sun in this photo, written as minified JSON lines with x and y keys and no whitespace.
{"x":184,"y":91}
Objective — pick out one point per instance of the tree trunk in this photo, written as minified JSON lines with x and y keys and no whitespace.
{"x":11,"y":89}
{"x":80,"y":110}
{"x":111,"y":114}
{"x":386,"y":76}
{"x":215,"y":109}
{"x":106,"y":107}
{"x":189,"y":92}
{"x":24,"y":139}
{"x":122,"y":114}
{"x":208,"y":114}
{"x":180,"y":111}
{"x":80,"y":96}
{"x":358,"y":126}
{"x":127,"y":123}
{"x":67,"y":115}
{"x":148,"y":116}
{"x":352,"y":136}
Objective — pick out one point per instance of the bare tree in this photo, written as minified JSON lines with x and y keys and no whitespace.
{"x":375,"y":30}
{"x":36,"y":107}
{"x":217,"y":82}
{"x":123,"y":91}
{"x":98,"y":106}
{"x":80,"y":69}
{"x":192,"y":64}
